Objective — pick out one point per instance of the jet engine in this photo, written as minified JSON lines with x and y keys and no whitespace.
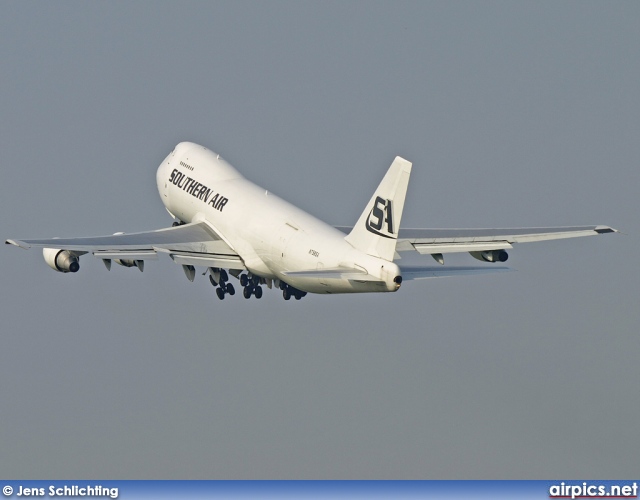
{"x":62,"y":261}
{"x":491,"y":255}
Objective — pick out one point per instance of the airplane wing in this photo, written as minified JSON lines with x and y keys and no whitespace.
{"x":439,"y":241}
{"x":195,"y":244}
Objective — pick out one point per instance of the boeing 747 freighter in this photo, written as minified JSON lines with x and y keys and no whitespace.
{"x":232,"y":227}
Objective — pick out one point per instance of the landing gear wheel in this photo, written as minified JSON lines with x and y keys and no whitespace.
{"x":224,"y":277}
{"x":243,"y":280}
{"x":258,"y":292}
{"x":230,"y":290}
{"x":246,"y":292}
{"x":286,"y":294}
{"x":220,"y":293}
{"x":298,"y":295}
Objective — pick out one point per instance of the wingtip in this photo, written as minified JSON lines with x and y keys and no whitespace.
{"x":605,"y":230}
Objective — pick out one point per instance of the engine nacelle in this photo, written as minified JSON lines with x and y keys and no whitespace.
{"x":491,"y":255}
{"x":61,"y":260}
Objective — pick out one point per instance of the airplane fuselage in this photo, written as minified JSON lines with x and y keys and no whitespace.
{"x":271,"y":236}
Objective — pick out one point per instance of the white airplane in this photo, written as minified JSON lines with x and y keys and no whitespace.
{"x":225,"y":222}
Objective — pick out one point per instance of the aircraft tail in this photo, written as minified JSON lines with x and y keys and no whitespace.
{"x":376,"y":231}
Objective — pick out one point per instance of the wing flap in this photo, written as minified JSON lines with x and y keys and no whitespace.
{"x":431,"y":248}
{"x":124,"y":254}
{"x":207,"y":260}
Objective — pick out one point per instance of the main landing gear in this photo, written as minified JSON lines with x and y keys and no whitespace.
{"x":251,"y":285}
{"x":288,"y":291}
{"x":223,"y":287}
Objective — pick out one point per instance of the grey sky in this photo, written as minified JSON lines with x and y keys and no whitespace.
{"x":513,"y":114}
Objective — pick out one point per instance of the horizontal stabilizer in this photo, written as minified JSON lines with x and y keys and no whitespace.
{"x":340,"y":273}
{"x":18,"y":243}
{"x":418,"y":273}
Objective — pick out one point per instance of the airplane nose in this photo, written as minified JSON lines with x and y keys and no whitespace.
{"x":162,"y":176}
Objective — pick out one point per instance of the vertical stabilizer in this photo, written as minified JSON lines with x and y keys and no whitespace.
{"x":377,"y":228}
